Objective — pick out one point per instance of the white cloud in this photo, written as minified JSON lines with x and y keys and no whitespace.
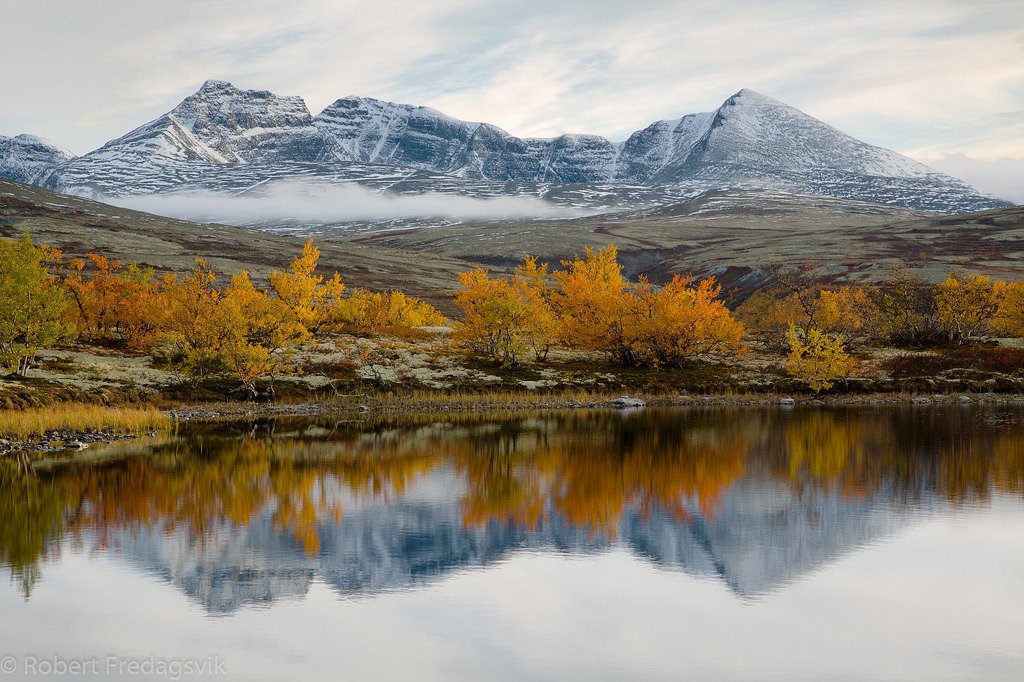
{"x":1003,"y":178}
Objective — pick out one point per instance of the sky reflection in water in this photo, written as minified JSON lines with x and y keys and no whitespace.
{"x":719,"y":542}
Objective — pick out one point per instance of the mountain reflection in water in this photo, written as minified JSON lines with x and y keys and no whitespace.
{"x":755,"y":497}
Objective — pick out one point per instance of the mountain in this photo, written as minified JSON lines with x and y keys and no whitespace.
{"x":223,"y":138}
{"x":222,"y":125}
{"x":26,"y":158}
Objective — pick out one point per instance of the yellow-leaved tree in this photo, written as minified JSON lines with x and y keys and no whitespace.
{"x":495,"y":317}
{"x":370,"y":312}
{"x":239,"y":330}
{"x":502,"y":318}
{"x":191,"y":300}
{"x":32,"y":306}
{"x":312,"y":299}
{"x":589,"y":306}
{"x":533,"y":282}
{"x":257,"y":334}
{"x":965,"y":305}
{"x":1009,"y":317}
{"x":816,"y":358}
{"x":846,"y":311}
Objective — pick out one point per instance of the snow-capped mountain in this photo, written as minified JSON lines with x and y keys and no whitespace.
{"x":222,"y":137}
{"x":26,"y":158}
{"x":223,"y":125}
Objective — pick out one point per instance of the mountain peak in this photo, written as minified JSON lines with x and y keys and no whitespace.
{"x":747,"y":92}
{"x":27,"y":139}
{"x":215,"y":85}
{"x":27,"y":158}
{"x":752,"y":98}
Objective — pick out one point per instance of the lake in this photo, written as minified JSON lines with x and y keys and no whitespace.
{"x":699,"y":543}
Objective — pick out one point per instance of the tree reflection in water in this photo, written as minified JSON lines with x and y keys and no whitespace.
{"x":583,"y":469}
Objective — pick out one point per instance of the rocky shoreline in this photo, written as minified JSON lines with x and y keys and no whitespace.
{"x":64,"y":441}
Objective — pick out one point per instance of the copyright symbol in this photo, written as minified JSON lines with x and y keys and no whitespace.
{"x":8,"y":664}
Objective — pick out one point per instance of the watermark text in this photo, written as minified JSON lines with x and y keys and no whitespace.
{"x":112,"y":665}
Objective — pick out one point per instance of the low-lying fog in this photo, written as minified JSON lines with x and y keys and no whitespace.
{"x":318,"y":203}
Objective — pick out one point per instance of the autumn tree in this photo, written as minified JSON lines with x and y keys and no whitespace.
{"x":533,"y":282}
{"x":495,"y":313}
{"x":677,"y":322}
{"x":907,"y":310}
{"x":238,"y":330}
{"x":257,"y":334}
{"x":191,"y":300}
{"x":505,"y":318}
{"x":31,"y":306}
{"x":767,"y":314}
{"x":1009,"y":317}
{"x":589,"y":304}
{"x":965,"y":306}
{"x":367,"y":312}
{"x":109,"y":302}
{"x":312,"y":299}
{"x":846,"y":312}
{"x":816,"y":358}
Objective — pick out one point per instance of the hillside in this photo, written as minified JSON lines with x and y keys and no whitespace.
{"x":78,"y":226}
{"x":734,"y":235}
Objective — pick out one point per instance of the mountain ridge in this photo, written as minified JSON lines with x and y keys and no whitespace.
{"x":750,"y":140}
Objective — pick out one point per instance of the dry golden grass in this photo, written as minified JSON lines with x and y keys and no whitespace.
{"x":36,"y":422}
{"x":433,"y":401}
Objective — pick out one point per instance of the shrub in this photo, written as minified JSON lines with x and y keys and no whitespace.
{"x":817,"y":359}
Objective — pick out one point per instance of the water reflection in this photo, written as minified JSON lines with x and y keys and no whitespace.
{"x":755,"y":498}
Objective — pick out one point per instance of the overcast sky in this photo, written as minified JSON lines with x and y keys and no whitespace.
{"x":941,"y":80}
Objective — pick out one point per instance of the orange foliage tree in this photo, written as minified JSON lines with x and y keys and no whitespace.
{"x":113,"y":303}
{"x":590,"y":306}
{"x":670,"y":325}
{"x":848,"y":313}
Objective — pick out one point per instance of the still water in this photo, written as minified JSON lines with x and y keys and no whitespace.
{"x":673,"y":544}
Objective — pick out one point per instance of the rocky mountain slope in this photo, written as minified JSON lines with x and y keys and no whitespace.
{"x":26,"y":158}
{"x":225,"y":138}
